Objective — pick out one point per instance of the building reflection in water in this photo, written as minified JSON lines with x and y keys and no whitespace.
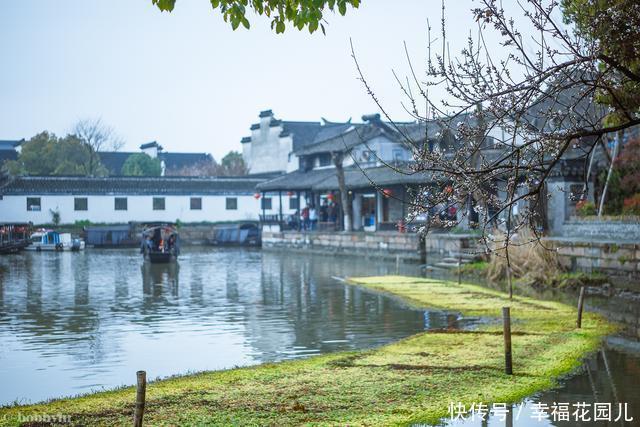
{"x":70,"y":322}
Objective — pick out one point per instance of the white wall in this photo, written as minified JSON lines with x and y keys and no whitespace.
{"x":140,"y":208}
{"x":268,"y":152}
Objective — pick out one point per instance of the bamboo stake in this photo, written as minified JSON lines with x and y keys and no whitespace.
{"x":141,"y":388}
{"x":506,"y":323}
{"x":580,"y":305}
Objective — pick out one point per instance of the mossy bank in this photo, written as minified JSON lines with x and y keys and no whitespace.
{"x":412,"y":380}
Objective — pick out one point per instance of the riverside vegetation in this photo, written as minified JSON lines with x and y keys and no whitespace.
{"x":413,"y":380}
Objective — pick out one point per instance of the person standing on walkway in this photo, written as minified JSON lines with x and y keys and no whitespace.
{"x":313,"y":217}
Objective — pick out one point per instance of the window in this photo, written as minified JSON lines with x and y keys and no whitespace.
{"x":293,"y":203}
{"x":80,"y":204}
{"x":232,"y":203}
{"x":158,"y":203}
{"x":398,"y":155}
{"x":265,"y":203}
{"x":120,"y":203}
{"x":34,"y":204}
{"x":324,"y":160}
{"x":369,"y":156}
{"x":196,"y":203}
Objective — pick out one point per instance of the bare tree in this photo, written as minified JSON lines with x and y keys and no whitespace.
{"x":98,"y":137}
{"x":546,"y":97}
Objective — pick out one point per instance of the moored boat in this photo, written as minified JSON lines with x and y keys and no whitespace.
{"x":14,"y":237}
{"x":51,"y":240}
{"x":160,"y":243}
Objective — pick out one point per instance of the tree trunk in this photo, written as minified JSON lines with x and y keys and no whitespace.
{"x":614,"y":153}
{"x":342,"y":186}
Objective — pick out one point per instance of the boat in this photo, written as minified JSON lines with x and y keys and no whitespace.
{"x":160,"y":243}
{"x":51,"y":240}
{"x":14,"y":237}
{"x":112,"y":236}
{"x":242,"y":234}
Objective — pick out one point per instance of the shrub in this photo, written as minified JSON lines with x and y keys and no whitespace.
{"x":631,"y":205}
{"x":585,"y":208}
{"x":530,"y":260}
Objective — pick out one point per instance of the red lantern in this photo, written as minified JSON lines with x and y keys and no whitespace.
{"x":256,"y":196}
{"x":289,"y":193}
{"x":387,"y":192}
{"x":330,"y":197}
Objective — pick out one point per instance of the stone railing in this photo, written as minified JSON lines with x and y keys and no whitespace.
{"x":619,"y":229}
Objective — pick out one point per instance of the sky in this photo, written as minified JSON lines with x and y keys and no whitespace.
{"x":186,"y":80}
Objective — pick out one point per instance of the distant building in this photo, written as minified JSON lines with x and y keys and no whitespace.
{"x":118,"y":200}
{"x":173,"y":162}
{"x":9,"y":150}
{"x":273,"y":142}
{"x":370,"y":151}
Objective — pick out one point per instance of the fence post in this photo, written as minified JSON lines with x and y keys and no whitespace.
{"x":397,"y":265}
{"x":141,"y":388}
{"x":506,"y":323}
{"x":459,"y":268}
{"x":580,"y":305}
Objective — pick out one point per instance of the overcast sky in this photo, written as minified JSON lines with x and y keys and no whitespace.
{"x":186,"y":80}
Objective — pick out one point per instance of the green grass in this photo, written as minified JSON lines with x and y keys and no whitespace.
{"x":412,"y":380}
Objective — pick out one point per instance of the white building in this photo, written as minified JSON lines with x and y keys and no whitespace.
{"x":119,"y":200}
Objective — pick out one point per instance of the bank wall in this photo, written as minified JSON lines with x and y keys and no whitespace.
{"x":407,"y":246}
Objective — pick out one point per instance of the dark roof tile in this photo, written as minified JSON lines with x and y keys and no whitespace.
{"x":50,"y":185}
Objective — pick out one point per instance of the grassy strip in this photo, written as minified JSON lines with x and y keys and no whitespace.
{"x":412,"y":380}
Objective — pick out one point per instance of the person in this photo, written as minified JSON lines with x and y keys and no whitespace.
{"x":304,"y":216}
{"x":313,"y":217}
{"x":332,"y":212}
{"x":324,"y":211}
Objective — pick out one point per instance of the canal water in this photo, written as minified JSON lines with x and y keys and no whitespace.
{"x":72,"y":323}
{"x":75,"y":322}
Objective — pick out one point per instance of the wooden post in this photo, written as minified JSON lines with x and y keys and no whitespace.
{"x":459,"y":268}
{"x":141,"y":389}
{"x":506,"y":323}
{"x":580,"y":305}
{"x":280,"y":209}
{"x":397,"y":264}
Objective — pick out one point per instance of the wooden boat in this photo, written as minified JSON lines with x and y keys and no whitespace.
{"x":14,"y":237}
{"x":242,"y":234}
{"x":160,"y":243}
{"x":51,"y":240}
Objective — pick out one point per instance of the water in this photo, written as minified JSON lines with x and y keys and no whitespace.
{"x":611,"y":376}
{"x":75,"y":322}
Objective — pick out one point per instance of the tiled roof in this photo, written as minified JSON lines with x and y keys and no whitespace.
{"x":7,"y":155}
{"x":326,"y":179}
{"x":180,"y":160}
{"x":297,"y":180}
{"x":114,"y":160}
{"x":342,"y":141}
{"x":7,"y":144}
{"x":151,"y":144}
{"x":68,"y":185}
{"x":381,"y":176}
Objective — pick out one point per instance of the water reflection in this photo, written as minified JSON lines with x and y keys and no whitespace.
{"x":611,"y":376}
{"x":72,"y":322}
